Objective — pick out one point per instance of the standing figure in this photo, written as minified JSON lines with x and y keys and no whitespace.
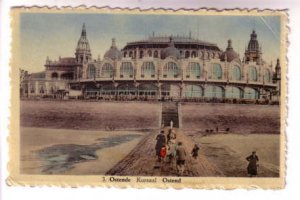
{"x":195,"y":151}
{"x":252,"y":166}
{"x":181,"y":157}
{"x":171,"y":124}
{"x":171,"y":135}
{"x":172,"y":145}
{"x":160,"y":142}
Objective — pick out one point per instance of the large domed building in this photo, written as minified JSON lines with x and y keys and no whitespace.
{"x":159,"y":68}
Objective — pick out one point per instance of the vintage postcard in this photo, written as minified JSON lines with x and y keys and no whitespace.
{"x":148,"y":98}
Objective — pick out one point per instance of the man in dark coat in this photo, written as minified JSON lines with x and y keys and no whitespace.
{"x":160,"y":142}
{"x":252,"y":166}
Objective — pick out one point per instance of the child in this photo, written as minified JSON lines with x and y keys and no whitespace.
{"x":195,"y":151}
{"x":163,"y":152}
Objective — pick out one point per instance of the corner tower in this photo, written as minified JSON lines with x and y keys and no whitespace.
{"x":253,"y":52}
{"x":83,"y":52}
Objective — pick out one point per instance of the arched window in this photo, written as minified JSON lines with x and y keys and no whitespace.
{"x":91,"y":71}
{"x":216,"y":71}
{"x":148,"y":69}
{"x":155,"y":54}
{"x":107,"y":71}
{"x":251,"y":93}
{"x":193,"y":91}
{"x":54,"y":76}
{"x":125,"y":54}
{"x":126,"y":70}
{"x":67,"y":76}
{"x":149,"y":53}
{"x":193,"y":70}
{"x":252,"y":74}
{"x":187,"y":54}
{"x":236,"y":73}
{"x":213,"y":91}
{"x":267,"y":76}
{"x":141,"y":54}
{"x":130,"y":54}
{"x":233,"y":92}
{"x":194,"y":54}
{"x":171,"y":69}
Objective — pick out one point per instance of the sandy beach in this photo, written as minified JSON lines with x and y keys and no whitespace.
{"x":229,"y":152}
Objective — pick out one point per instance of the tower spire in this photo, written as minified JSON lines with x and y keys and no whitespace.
{"x":253,"y":50}
{"x":83,"y":31}
{"x":83,"y":51}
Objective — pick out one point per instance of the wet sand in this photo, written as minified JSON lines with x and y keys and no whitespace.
{"x":60,"y":151}
{"x":229,"y":152}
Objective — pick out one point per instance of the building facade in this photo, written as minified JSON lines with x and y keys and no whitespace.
{"x":159,"y":68}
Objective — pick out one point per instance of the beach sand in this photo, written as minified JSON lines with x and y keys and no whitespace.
{"x":229,"y":152}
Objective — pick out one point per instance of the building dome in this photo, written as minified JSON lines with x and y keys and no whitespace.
{"x":229,"y":55}
{"x":253,"y":43}
{"x":170,"y":51}
{"x":113,"y":53}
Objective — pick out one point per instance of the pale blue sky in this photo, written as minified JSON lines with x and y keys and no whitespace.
{"x":56,"y":35}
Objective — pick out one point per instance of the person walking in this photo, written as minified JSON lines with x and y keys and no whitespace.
{"x":252,"y":166}
{"x":181,"y":157}
{"x":160,"y":142}
{"x":172,"y":145}
{"x":195,"y":151}
{"x":171,"y":135}
{"x":163,"y":153}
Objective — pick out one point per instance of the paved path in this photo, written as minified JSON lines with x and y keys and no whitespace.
{"x":142,"y":160}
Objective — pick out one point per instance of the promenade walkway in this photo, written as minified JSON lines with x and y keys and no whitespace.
{"x":142,"y":161}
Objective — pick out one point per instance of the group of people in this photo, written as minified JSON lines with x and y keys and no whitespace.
{"x":169,"y":150}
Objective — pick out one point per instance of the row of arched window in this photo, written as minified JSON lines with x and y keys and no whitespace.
{"x":171,"y":69}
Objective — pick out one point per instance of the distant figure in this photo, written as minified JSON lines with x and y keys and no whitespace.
{"x":171,"y":124}
{"x":160,"y":142}
{"x":252,"y":166}
{"x":181,"y":157}
{"x":171,"y":135}
{"x":195,"y":151}
{"x":217,"y":129}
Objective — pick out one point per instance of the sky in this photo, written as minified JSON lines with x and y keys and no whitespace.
{"x":55,"y":34}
